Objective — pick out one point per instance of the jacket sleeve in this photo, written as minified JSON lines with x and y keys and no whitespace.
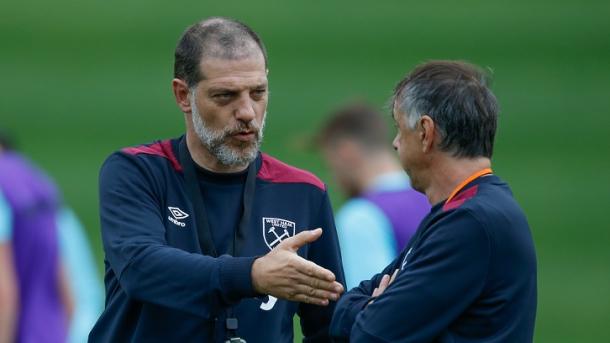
{"x":324,"y":252}
{"x":444,"y":275}
{"x":133,"y":235}
{"x":354,"y":301}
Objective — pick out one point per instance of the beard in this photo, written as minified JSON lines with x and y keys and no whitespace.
{"x":221,"y":144}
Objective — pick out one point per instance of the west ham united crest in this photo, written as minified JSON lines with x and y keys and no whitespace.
{"x":276,"y":230}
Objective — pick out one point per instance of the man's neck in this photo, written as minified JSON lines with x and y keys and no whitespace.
{"x":449,"y":173}
{"x":205,"y":159}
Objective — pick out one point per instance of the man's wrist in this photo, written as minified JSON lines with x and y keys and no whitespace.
{"x":235,"y":277}
{"x":255,"y":275}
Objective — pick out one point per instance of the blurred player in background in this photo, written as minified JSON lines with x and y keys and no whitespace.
{"x":35,"y":297}
{"x":383,"y":211}
{"x":79,"y":284}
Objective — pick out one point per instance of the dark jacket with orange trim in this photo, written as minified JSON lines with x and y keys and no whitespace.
{"x":161,"y":288}
{"x":468,"y":275}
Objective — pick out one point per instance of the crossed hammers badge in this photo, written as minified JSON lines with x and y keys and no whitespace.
{"x":275,"y":230}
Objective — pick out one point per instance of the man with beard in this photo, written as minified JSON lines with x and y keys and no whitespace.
{"x":206,"y":239}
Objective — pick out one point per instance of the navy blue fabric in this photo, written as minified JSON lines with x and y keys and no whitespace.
{"x":468,"y":275}
{"x":160,"y":288}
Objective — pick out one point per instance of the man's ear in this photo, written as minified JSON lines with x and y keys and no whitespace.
{"x":182,"y":95}
{"x":427,"y":133}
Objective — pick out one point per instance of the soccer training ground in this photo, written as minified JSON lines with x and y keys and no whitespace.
{"x":83,"y":78}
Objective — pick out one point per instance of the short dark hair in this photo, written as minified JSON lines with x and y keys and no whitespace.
{"x":457,"y":97}
{"x":355,"y":121}
{"x":213,"y":37}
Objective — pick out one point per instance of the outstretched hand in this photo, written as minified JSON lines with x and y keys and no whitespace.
{"x":282,"y":273}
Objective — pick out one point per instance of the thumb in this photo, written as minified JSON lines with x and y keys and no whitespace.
{"x":295,"y":242}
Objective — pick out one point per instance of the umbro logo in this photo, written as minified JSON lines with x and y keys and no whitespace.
{"x":177,"y":215}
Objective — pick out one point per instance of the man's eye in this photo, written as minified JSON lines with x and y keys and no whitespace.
{"x":222,"y":96}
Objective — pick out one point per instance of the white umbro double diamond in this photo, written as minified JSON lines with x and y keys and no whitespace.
{"x":177,"y":215}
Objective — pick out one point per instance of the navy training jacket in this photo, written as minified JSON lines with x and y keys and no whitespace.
{"x":468,"y":275}
{"x":159,"y":286}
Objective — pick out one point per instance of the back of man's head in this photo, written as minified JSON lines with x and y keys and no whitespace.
{"x":457,"y":97}
{"x":215,"y":37}
{"x":356,"y":122}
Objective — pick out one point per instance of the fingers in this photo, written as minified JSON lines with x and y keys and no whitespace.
{"x":314,"y":295}
{"x":386,"y":281}
{"x":318,"y":278}
{"x":295,"y":242}
{"x":307,"y":294}
{"x":383,"y":284}
{"x":317,"y":293}
{"x":330,"y":286}
{"x":393,"y":276}
{"x":317,"y":284}
{"x":310,"y":300}
{"x":302,"y":292}
{"x":312,"y":270}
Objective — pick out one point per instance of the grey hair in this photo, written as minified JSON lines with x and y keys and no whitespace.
{"x":411,"y":105}
{"x":457,"y":97}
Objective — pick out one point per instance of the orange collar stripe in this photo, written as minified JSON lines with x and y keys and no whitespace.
{"x":467,"y":181}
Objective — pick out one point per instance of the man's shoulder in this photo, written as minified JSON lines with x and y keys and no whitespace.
{"x":275,"y":171}
{"x":159,"y":151}
{"x":151,"y":161}
{"x":480,"y":195}
{"x":493,"y":200}
{"x":488,"y":206}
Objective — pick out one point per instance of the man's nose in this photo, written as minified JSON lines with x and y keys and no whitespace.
{"x":245,"y":110}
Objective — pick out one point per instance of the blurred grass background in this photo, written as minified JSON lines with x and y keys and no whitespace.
{"x":81,"y":79}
